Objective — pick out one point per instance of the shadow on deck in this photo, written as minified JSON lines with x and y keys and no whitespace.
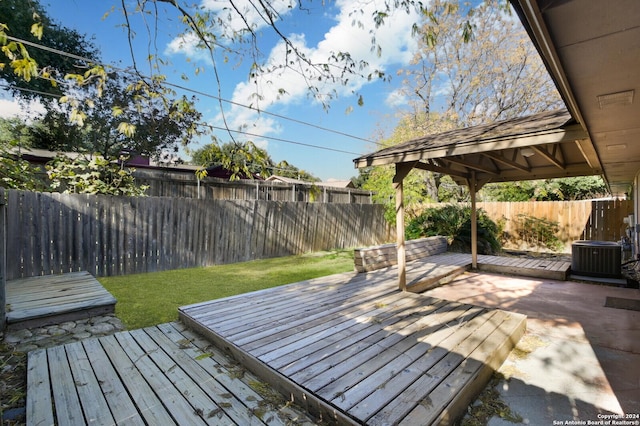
{"x":53,"y":299}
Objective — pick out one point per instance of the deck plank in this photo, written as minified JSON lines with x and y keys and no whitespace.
{"x":336,"y":350}
{"x":539,"y":268}
{"x":142,"y":395}
{"x":225,"y":401}
{"x":175,"y":403}
{"x":94,"y":405}
{"x":66,"y":402}
{"x":185,"y":396}
{"x":413,"y":341}
{"x":328,"y":332}
{"x":163,"y":375}
{"x":398,"y":380}
{"x":280,"y":338}
{"x":480,"y":363}
{"x":39,"y":396}
{"x":234,"y":377}
{"x":145,"y":399}
{"x":122,"y":407}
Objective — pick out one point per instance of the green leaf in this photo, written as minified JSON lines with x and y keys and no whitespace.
{"x":127,"y":129}
{"x":37,"y":30}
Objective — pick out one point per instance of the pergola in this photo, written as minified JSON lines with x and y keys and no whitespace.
{"x":541,"y":146}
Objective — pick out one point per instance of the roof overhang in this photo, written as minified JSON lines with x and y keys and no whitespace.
{"x":591,"y":49}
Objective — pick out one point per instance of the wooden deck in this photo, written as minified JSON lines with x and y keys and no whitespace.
{"x":537,"y":268}
{"x":164,"y":375}
{"x":51,"y":299}
{"x":354,"y":349}
{"x":439,"y":269}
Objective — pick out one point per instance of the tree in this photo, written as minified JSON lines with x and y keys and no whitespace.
{"x":562,"y":189}
{"x":224,"y":31}
{"x":15,"y":131}
{"x":242,"y":159}
{"x":494,"y":75}
{"x":36,"y":73}
{"x":284,"y":169}
{"x":16,"y":173}
{"x":107,"y":123}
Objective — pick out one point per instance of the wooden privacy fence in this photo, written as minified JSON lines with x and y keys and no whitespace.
{"x":50,"y":233}
{"x":601,"y":220}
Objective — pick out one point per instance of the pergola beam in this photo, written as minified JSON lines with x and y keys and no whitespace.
{"x":439,"y":169}
{"x":473,"y":166}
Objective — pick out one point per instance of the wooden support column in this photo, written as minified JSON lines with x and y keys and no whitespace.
{"x":474,"y":222}
{"x":402,"y":169}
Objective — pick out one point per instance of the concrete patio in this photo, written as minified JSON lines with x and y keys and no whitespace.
{"x":578,"y":360}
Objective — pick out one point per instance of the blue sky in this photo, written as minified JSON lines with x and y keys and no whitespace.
{"x":319,"y":29}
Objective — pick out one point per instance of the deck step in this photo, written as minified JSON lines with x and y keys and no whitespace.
{"x":53,"y":299}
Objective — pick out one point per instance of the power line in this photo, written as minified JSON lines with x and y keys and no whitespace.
{"x":24,"y":89}
{"x":279,"y":139}
{"x":81,"y":58}
{"x":214,"y":127}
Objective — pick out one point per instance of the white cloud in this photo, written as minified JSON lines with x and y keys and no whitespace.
{"x":396,"y":99}
{"x":285,"y":86}
{"x":231,"y":20}
{"x":187,"y":45}
{"x":12,"y":108}
{"x":249,"y":15}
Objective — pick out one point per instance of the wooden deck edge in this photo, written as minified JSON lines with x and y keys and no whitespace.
{"x":14,"y":323}
{"x":289,"y":389}
{"x":481,"y":378}
{"x":430,"y":282}
{"x":524,"y":272}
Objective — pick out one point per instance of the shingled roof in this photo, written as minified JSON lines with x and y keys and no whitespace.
{"x":545,"y":145}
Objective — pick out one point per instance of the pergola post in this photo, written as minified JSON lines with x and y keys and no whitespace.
{"x":474,"y":222}
{"x":402,"y":169}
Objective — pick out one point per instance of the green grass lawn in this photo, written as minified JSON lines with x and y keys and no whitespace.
{"x":154,"y":298}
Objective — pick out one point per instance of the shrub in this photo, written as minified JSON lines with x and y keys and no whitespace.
{"x":537,"y":232}
{"x":454,"y":222}
{"x":94,"y":175}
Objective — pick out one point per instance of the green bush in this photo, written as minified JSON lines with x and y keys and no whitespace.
{"x":93,"y":175}
{"x":454,"y":222}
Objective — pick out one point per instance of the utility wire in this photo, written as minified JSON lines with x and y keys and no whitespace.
{"x":24,"y":89}
{"x":279,"y":139}
{"x":80,"y":58}
{"x":203,"y":124}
